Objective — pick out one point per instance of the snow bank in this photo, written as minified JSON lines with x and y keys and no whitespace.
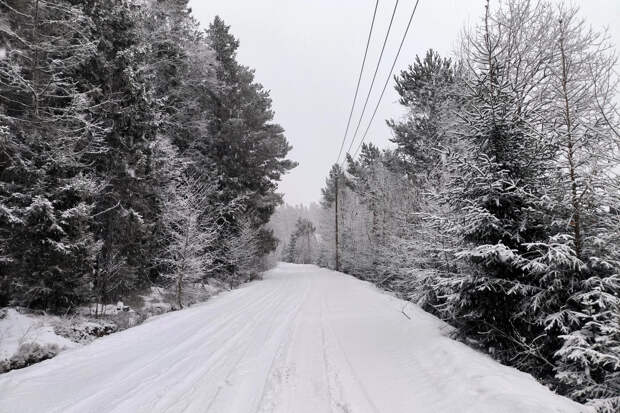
{"x":17,"y":329}
{"x":30,"y":338}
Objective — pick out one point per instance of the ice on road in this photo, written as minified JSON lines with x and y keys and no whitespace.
{"x":303,"y":340}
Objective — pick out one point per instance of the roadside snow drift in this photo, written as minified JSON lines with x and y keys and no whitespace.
{"x":17,"y":329}
{"x":303,"y":340}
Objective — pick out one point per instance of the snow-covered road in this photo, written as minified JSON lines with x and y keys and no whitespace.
{"x":302,"y":340}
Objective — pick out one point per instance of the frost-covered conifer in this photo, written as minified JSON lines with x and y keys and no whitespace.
{"x":50,"y":129}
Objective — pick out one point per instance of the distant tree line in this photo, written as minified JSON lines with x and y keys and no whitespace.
{"x":498,"y":209}
{"x":134,"y":149}
{"x":302,"y":245}
{"x":283,"y":223}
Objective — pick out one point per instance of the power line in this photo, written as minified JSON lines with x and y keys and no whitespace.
{"x":387,"y":35}
{"x":387,"y":80}
{"x":359,"y":79}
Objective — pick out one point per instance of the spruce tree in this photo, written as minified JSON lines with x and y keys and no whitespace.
{"x":493,"y":192}
{"x":129,"y":209}
{"x":50,"y":130}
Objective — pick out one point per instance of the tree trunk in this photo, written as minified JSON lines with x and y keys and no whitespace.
{"x":179,"y":291}
{"x":35,"y":61}
{"x":576,"y":205}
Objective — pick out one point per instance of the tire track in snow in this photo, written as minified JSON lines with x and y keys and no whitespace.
{"x":270,"y":384}
{"x":251,"y":323}
{"x":304,"y":340}
{"x":326,"y":365}
{"x":250,"y":346}
{"x":344,"y":404}
{"x":167,"y":361}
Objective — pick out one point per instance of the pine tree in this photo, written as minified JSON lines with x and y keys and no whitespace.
{"x":248,"y":149}
{"x":301,"y":247}
{"x":428,"y":90}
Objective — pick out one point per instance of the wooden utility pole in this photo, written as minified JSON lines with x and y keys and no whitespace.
{"x":336,"y":227}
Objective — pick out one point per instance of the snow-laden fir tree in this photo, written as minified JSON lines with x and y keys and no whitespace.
{"x":494,"y":191}
{"x":128,"y":211}
{"x":50,"y":130}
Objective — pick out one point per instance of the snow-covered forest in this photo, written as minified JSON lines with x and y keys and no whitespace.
{"x":139,"y":170}
{"x":284,"y":224}
{"x":136,"y":151}
{"x":497,"y":209}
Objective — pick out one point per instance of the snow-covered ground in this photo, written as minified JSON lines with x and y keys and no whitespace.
{"x":17,"y":329}
{"x":302,"y":340}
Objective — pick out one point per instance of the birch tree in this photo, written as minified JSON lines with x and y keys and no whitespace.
{"x":584,"y":127}
{"x":190,"y":232}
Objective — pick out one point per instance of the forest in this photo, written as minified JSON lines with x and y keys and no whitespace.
{"x":497,"y":208}
{"x":135,"y":151}
{"x":138,"y":153}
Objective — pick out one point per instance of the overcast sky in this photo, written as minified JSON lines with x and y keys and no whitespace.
{"x":308,"y":53}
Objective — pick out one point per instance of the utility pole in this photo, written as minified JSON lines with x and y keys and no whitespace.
{"x":336,"y":226}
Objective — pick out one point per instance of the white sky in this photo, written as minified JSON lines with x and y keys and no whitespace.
{"x":308,"y":53}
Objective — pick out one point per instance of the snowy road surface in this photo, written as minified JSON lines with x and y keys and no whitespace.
{"x":302,"y":340}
